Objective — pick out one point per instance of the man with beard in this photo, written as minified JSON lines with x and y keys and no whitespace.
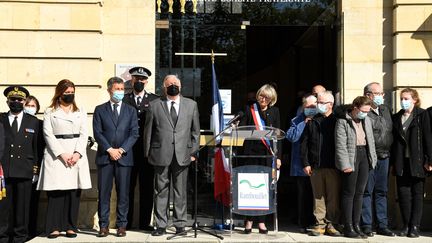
{"x":140,"y":99}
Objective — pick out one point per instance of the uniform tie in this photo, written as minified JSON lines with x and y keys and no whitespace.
{"x":15,"y":125}
{"x":173,"y":113}
{"x":138,"y":101}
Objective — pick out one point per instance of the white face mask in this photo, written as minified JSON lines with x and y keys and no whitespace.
{"x":30,"y":110}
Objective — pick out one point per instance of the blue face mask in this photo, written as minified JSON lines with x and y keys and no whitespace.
{"x":406,"y":104}
{"x":361,"y":115}
{"x":378,"y":100}
{"x":118,"y":95}
{"x":310,"y":111}
{"x":322,"y":108}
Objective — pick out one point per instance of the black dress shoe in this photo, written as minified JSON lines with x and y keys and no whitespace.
{"x":413,"y":232}
{"x":386,"y":232}
{"x":263,"y":231}
{"x":359,"y":231}
{"x":368,"y":232}
{"x":158,"y":232}
{"x":103,"y":232}
{"x":247,"y":231}
{"x":71,"y":234}
{"x":303,"y":230}
{"x":181,"y":231}
{"x":53,"y":236}
{"x":350,"y":232}
{"x":404,"y":231}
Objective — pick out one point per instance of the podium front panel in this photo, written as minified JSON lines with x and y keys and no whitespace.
{"x":253,"y":190}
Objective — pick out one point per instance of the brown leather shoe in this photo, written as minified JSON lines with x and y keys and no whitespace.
{"x":103,"y":232}
{"x":121,"y":232}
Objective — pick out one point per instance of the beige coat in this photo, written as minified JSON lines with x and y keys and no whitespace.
{"x":54,"y":174}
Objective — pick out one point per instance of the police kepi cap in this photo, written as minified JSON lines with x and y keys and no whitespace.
{"x":16,"y":91}
{"x":140,"y":71}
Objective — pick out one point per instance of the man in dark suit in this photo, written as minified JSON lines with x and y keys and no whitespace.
{"x":140,"y":99}
{"x":19,"y":163}
{"x":115,"y":127}
{"x":171,"y":132}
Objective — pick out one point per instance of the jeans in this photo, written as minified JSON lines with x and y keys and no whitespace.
{"x":375,"y":196}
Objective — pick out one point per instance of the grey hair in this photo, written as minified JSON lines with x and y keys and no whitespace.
{"x":367,"y":89}
{"x":114,"y":80}
{"x":170,"y":76}
{"x":327,"y":94}
{"x":309,"y":97}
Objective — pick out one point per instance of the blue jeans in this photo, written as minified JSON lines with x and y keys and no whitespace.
{"x":376,"y":194}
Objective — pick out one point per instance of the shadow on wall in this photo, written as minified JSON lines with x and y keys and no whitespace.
{"x":424,"y":34}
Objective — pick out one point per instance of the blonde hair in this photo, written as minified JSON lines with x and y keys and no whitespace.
{"x":414,"y":94}
{"x":268,"y":91}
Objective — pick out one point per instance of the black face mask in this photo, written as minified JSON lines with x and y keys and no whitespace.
{"x":138,"y":86}
{"x":15,"y":106}
{"x":68,"y":98}
{"x":173,"y":90}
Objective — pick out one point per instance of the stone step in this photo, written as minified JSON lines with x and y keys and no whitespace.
{"x":89,"y":236}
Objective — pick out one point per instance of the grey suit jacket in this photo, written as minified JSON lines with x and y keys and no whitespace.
{"x":162,"y":139}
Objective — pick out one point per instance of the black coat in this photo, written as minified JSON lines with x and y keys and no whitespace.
{"x":142,"y":110}
{"x":21,"y":151}
{"x":313,"y":144}
{"x":271,"y":118}
{"x":418,"y":139}
{"x":382,"y":126}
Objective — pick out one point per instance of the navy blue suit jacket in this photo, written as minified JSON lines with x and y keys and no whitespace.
{"x":108,"y":133}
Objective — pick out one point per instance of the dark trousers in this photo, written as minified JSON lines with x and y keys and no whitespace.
{"x":375,"y":196}
{"x":142,"y":171}
{"x":259,"y":219}
{"x":63,"y":208}
{"x":353,"y":186}
{"x":14,"y":210}
{"x":305,"y":201}
{"x":178,"y":175}
{"x":410,"y":192}
{"x":34,"y":207}
{"x":106,"y":173}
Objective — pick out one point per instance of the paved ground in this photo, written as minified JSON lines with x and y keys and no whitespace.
{"x":87,"y":236}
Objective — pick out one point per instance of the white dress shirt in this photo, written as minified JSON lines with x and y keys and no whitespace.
{"x":176,"y":104}
{"x":118,"y":108}
{"x":19,"y":119}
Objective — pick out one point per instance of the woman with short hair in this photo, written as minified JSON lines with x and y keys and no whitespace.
{"x":261,"y":113}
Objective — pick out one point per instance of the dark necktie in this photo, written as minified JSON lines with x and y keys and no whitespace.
{"x":116,"y":114}
{"x":173,"y":113}
{"x":15,"y":125}
{"x":138,"y":101}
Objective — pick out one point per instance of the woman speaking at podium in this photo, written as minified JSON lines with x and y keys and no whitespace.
{"x":261,"y":113}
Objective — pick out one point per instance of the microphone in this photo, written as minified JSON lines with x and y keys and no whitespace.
{"x":236,"y":118}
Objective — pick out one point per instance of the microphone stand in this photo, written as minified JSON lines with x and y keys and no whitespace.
{"x":195,"y":227}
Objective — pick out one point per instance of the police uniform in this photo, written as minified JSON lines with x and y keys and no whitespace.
{"x":20,"y":165}
{"x":142,"y":169}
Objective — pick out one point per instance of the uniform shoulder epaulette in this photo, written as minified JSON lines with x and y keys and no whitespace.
{"x":153,"y":94}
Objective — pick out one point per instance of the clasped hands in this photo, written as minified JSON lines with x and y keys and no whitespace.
{"x":115,"y":153}
{"x":70,"y":159}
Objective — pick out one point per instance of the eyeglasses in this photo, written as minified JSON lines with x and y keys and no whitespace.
{"x":377,"y":93}
{"x":263,"y":97}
